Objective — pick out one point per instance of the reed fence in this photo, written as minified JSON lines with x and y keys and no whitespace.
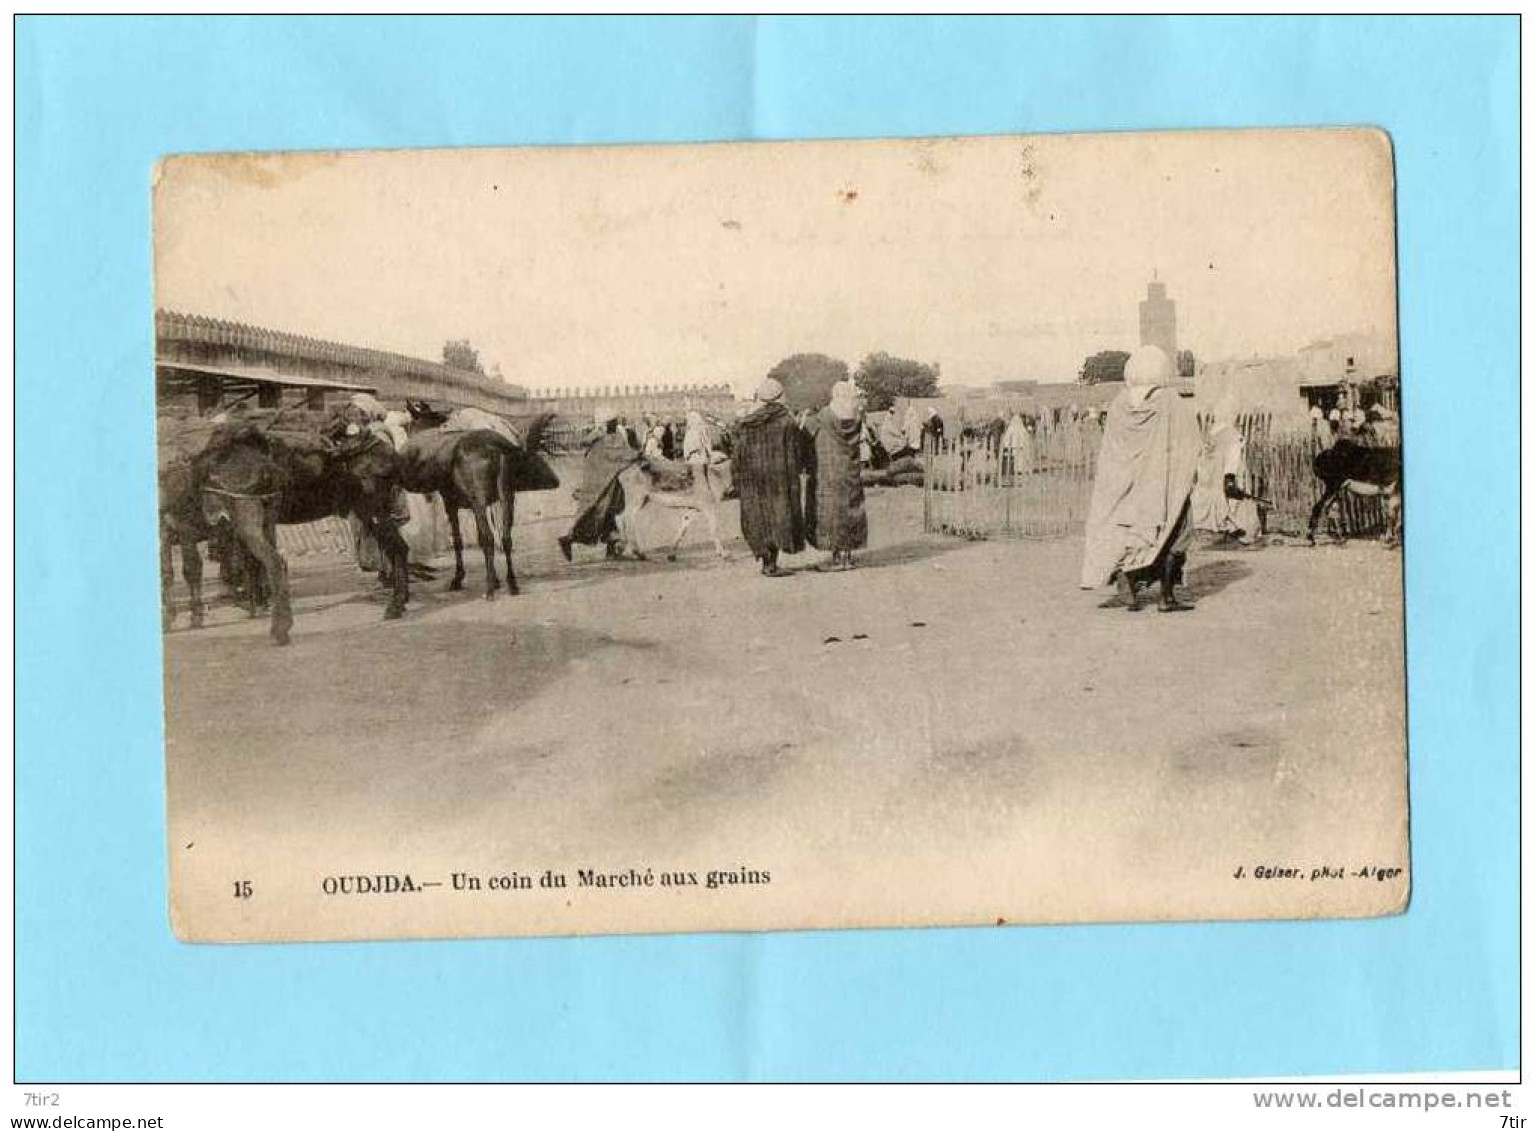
{"x":980,"y":489}
{"x":328,"y":536}
{"x":333,"y":535}
{"x":976,"y":488}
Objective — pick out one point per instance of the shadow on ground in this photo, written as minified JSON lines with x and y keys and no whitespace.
{"x":904,"y":553}
{"x":1209,"y":578}
{"x":440,"y":678}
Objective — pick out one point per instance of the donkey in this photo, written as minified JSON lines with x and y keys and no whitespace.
{"x":1359,"y":470}
{"x":249,"y":480}
{"x":183,"y":527}
{"x":691,"y":488}
{"x":475,"y":469}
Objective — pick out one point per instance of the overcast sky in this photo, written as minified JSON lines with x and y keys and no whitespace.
{"x":998,"y":258}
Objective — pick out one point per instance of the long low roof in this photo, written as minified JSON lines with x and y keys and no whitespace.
{"x":253,"y":375}
{"x":217,"y":333}
{"x":1346,"y":379}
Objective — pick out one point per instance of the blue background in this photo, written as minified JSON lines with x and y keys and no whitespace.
{"x":105,"y":993}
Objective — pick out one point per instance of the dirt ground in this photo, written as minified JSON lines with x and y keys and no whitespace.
{"x":953,"y":732}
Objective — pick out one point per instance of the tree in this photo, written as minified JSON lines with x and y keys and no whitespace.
{"x":1185,"y":363}
{"x":1105,"y":365}
{"x":459,"y":354}
{"x":884,"y":378}
{"x":807,"y":379}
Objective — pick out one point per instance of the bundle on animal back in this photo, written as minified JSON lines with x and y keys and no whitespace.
{"x":255,"y":451}
{"x":431,"y":455}
{"x":181,"y":438}
{"x":668,"y":475}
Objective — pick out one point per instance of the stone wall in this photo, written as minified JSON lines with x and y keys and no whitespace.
{"x":633,"y":402}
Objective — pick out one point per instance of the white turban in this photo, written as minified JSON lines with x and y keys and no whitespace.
{"x":844,"y":400}
{"x":1149,"y":366}
{"x":769,"y":391}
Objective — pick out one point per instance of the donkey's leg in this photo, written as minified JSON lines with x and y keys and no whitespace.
{"x":272,"y":583}
{"x":1391,"y":502}
{"x":508,"y":504}
{"x":258,"y":579}
{"x":699,"y":501}
{"x":167,"y":580}
{"x":450,"y":504}
{"x":192,"y":571}
{"x":487,"y":547}
{"x":248,"y":576}
{"x":256,"y":531}
{"x":506,"y":491}
{"x":1328,"y":496}
{"x":237,"y":566}
{"x":710,"y":507}
{"x":687,"y":521}
{"x":396,"y":551}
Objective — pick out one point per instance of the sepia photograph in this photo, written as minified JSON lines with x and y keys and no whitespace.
{"x":763,"y":536}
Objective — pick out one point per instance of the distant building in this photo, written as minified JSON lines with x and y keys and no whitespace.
{"x":1159,"y":319}
{"x":1268,"y":385}
{"x":1347,"y":357}
{"x":1343,"y":371}
{"x":1013,"y":387}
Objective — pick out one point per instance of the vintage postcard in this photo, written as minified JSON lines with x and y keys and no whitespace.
{"x":766,"y":536}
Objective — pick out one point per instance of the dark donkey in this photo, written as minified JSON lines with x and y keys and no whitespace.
{"x":1359,"y":470}
{"x":250,"y":480}
{"x":475,"y":469}
{"x":183,"y":525}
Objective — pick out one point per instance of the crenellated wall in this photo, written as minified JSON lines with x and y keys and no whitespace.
{"x":668,"y":402}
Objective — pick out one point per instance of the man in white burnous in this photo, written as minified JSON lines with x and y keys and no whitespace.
{"x":1139,"y":524}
